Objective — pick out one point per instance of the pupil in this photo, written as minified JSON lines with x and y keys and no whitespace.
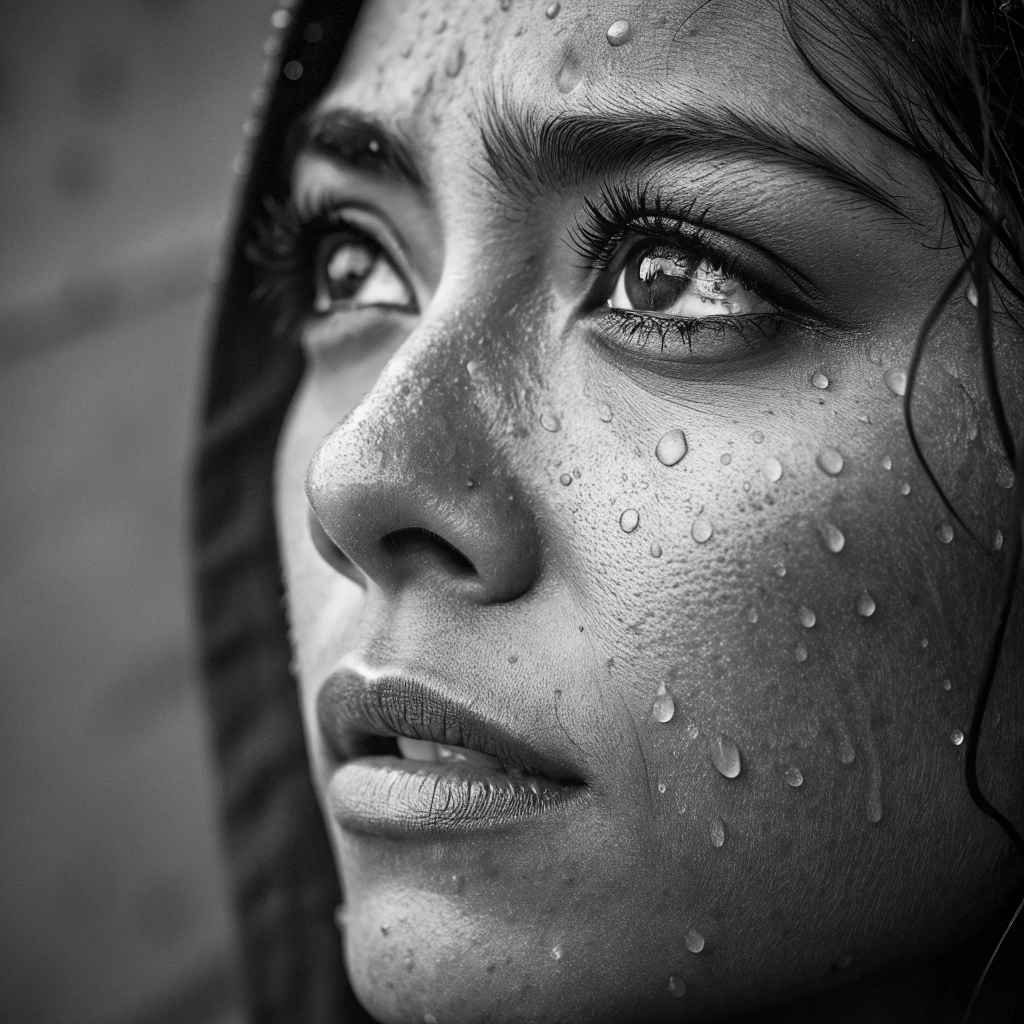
{"x":347,"y":268}
{"x":656,"y":283}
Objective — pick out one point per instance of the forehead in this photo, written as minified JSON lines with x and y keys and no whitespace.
{"x":432,"y":66}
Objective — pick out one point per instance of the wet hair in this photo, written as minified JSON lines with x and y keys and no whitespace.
{"x":943,"y":80}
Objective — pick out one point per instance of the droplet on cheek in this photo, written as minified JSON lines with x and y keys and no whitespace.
{"x":629,"y":520}
{"x":866,"y":605}
{"x":957,"y":737}
{"x":694,"y":941}
{"x":801,"y":653}
{"x":701,"y":530}
{"x":726,"y":459}
{"x":725,"y":756}
{"x":672,"y":448}
{"x":655,"y":550}
{"x":806,"y":617}
{"x":664,"y":706}
{"x":717,"y":832}
{"x":945,"y":533}
{"x":619,"y":32}
{"x":565,"y":479}
{"x":820,"y":381}
{"x":550,"y":422}
{"x":758,"y":437}
{"x":833,"y":537}
{"x":552,"y":10}
{"x":830,"y":461}
{"x":896,"y":381}
{"x":794,"y":777}
{"x":773,"y":470}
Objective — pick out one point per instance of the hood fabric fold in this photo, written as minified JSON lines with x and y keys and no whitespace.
{"x":283,"y":876}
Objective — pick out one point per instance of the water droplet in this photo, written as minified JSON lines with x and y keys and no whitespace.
{"x":556,"y":953}
{"x":833,"y":537}
{"x":565,"y":479}
{"x":1005,"y":476}
{"x":957,"y":737}
{"x":620,"y":32}
{"x":550,"y":422}
{"x":806,"y":617}
{"x":661,"y":787}
{"x":924,"y":642}
{"x":725,"y":459}
{"x":664,"y":706}
{"x":475,"y":368}
{"x":997,"y":541}
{"x":692,"y":731}
{"x":751,"y":614}
{"x":758,"y":437}
{"x":676,"y":987}
{"x":384,"y":929}
{"x":429,"y":1018}
{"x":780,"y":570}
{"x":819,"y":380}
{"x":454,"y":61}
{"x":971,"y":294}
{"x":905,"y":489}
{"x":947,"y":684}
{"x":655,"y":550}
{"x":866,"y":605}
{"x":830,"y":461}
{"x":701,"y":530}
{"x":874,"y":808}
{"x":725,"y":756}
{"x":886,"y":462}
{"x":604,"y":412}
{"x":470,"y":483}
{"x":553,"y":9}
{"x":773,"y":470}
{"x":629,"y":520}
{"x":945,"y":533}
{"x":794,"y":776}
{"x":694,"y":941}
{"x":863,"y":417}
{"x":801,"y":653}
{"x":896,"y":380}
{"x":671,"y":448}
{"x":717,"y":832}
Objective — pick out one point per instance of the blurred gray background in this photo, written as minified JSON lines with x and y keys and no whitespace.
{"x":119,"y":120}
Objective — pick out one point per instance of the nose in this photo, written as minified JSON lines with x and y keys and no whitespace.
{"x":415,"y":488}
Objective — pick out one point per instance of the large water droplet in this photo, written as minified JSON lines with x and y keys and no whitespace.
{"x":806,"y":617}
{"x":629,"y":520}
{"x":794,"y":776}
{"x":565,"y":479}
{"x":886,"y":462}
{"x":957,"y":737}
{"x":694,"y":940}
{"x":725,"y":756}
{"x":655,"y":550}
{"x":830,"y":461}
{"x":971,"y":294}
{"x":866,"y":605}
{"x":553,"y":9}
{"x":945,"y":533}
{"x":454,"y":61}
{"x":717,"y":832}
{"x":604,"y":412}
{"x":819,"y":380}
{"x":550,"y":422}
{"x":620,"y":32}
{"x":701,"y":530}
{"x":671,"y":448}
{"x":833,"y":537}
{"x":801,"y":653}
{"x":773,"y":470}
{"x":676,"y":987}
{"x":896,"y":380}
{"x":664,"y":706}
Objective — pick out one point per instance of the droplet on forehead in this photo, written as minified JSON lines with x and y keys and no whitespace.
{"x":773,"y":470}
{"x":701,"y":530}
{"x":896,"y":380}
{"x":672,"y":448}
{"x":794,"y":777}
{"x":806,"y":617}
{"x":694,"y":940}
{"x":726,"y":459}
{"x":957,"y":737}
{"x":819,"y":380}
{"x":833,"y":537}
{"x":629,"y":520}
{"x":866,"y":605}
{"x":569,"y":76}
{"x":830,"y":461}
{"x":945,"y":533}
{"x":758,"y":437}
{"x":725,"y":756}
{"x":619,"y":32}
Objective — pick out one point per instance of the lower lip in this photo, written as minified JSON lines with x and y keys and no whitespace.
{"x":394,"y":796}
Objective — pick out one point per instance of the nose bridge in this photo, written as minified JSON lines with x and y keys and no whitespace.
{"x":422,"y":456}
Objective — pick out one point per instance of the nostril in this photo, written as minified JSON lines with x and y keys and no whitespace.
{"x":416,"y":541}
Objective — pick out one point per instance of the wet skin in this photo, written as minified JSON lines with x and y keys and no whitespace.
{"x":437,"y":419}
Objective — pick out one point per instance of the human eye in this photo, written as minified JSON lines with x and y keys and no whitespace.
{"x":668,"y":279}
{"x":325,"y":268}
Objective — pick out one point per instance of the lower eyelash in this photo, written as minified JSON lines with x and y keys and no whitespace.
{"x":640,"y":328}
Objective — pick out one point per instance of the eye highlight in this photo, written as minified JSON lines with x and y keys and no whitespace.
{"x":671,"y":282}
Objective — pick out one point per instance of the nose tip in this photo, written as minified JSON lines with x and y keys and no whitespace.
{"x":402,"y":521}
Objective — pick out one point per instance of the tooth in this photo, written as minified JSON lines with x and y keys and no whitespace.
{"x":417,"y":750}
{"x":448,"y":753}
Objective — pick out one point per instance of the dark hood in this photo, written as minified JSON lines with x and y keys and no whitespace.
{"x":283,"y":878}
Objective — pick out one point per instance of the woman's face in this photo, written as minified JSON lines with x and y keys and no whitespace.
{"x":602,"y":432}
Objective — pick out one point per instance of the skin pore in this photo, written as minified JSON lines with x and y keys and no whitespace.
{"x":491,"y":180}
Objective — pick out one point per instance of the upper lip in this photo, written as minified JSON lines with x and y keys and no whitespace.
{"x":356,"y":708}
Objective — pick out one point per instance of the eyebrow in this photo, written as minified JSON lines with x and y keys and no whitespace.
{"x":529,"y":154}
{"x":356,"y":139}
